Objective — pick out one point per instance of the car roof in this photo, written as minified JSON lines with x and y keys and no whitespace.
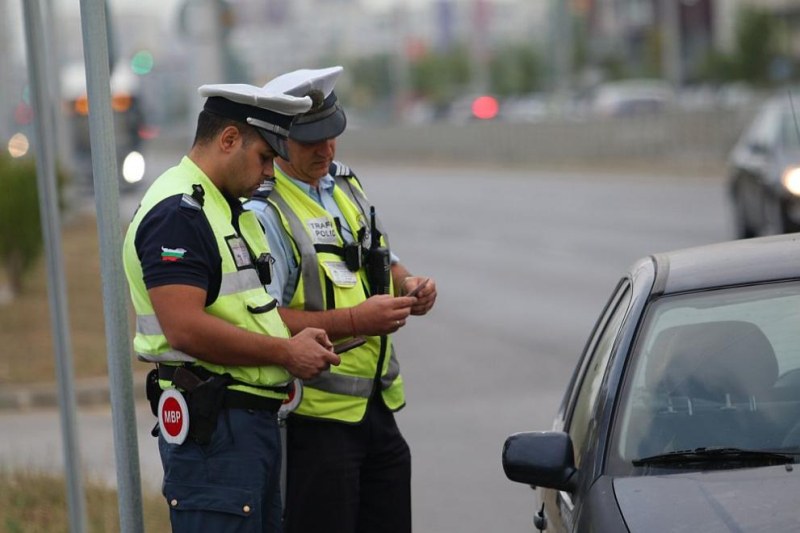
{"x":729,"y":263}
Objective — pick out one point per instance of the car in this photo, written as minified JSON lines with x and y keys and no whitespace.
{"x":632,"y":97}
{"x":128,"y":122}
{"x":683,"y":412}
{"x":764,"y":171}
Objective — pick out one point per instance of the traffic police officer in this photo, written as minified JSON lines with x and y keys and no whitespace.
{"x":348,"y":465}
{"x":196,"y":263}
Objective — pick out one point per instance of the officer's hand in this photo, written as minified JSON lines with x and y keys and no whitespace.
{"x":310,"y":352}
{"x":381,"y":314}
{"x":426,"y":296}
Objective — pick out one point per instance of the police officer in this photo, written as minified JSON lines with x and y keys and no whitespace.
{"x":348,"y":465}
{"x":196,"y":263}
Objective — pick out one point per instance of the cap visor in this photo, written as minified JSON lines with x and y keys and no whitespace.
{"x":276,"y":142}
{"x":314,"y":132}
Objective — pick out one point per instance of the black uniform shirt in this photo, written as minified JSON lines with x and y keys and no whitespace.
{"x":176,"y":246}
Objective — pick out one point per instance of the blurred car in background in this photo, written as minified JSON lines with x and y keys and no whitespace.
{"x":130,"y":128}
{"x":683,"y":413}
{"x":632,"y":97}
{"x":529,"y":108}
{"x":764,"y":171}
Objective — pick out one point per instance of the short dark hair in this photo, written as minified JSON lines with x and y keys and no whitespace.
{"x":209,"y":125}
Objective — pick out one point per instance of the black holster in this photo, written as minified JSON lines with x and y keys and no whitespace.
{"x":205,"y":399}
{"x":152,"y":390}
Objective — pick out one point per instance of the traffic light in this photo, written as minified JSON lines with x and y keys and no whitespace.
{"x":142,"y":62}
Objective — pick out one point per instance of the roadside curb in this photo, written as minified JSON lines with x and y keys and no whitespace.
{"x":88,"y":392}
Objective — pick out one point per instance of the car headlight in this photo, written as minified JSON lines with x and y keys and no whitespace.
{"x":133,"y":167}
{"x":791,"y":180}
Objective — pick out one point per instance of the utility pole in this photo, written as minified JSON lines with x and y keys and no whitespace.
{"x":6,"y":66}
{"x":38,"y":71}
{"x":115,"y":309}
{"x":400,"y":62}
{"x":479,"y":52}
{"x":561,"y":47}
{"x":671,"y":50}
{"x":62,"y":131}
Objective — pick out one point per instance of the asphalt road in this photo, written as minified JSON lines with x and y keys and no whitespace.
{"x":523,"y":263}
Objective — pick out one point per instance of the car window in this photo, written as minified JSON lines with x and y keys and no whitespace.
{"x":600,"y":349}
{"x":790,"y":128}
{"x":765,"y":130}
{"x":711,"y":369}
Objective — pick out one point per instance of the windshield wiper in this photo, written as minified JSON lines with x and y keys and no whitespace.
{"x":711,"y":455}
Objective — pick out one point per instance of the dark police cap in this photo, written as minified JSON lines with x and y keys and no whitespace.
{"x":271,"y":113}
{"x":326,"y":118}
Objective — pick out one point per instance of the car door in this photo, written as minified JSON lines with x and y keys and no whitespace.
{"x":561,"y":508}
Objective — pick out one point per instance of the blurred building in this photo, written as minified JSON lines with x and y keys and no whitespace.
{"x":642,"y":35}
{"x":678,"y":35}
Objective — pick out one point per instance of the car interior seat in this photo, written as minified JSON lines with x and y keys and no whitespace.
{"x":708,"y":379}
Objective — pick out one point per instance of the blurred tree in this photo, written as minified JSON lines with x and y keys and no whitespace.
{"x":441,"y":77}
{"x":717,"y":68}
{"x":755,"y":51}
{"x":20,"y":226}
{"x":756,"y":44}
{"x":515,"y":69}
{"x":371,"y":80}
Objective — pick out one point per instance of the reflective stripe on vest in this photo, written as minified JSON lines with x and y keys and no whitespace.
{"x":327,"y":381}
{"x":357,"y":196}
{"x":308,"y":256}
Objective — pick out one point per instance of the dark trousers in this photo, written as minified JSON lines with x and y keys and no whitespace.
{"x":344,"y":478}
{"x":231,"y":484}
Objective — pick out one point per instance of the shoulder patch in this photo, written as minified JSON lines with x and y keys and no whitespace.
{"x":188,"y":202}
{"x":172,"y":255}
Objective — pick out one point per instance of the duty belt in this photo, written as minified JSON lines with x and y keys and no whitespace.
{"x":234,"y":399}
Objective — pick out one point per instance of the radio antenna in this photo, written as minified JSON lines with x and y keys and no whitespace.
{"x":794,"y":115}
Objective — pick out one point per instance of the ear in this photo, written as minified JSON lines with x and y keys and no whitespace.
{"x":229,"y":138}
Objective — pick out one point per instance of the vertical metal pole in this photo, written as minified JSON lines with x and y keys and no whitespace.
{"x":400,"y":68}
{"x":671,"y":46}
{"x":63,"y":138}
{"x":5,"y":73}
{"x":48,"y":207}
{"x":105,"y":172}
{"x":561,"y":48}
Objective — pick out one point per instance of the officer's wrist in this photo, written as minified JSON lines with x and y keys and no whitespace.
{"x":403,"y":290}
{"x":352,"y":322}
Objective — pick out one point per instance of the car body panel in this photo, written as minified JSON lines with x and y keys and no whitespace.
{"x":716,"y":501}
{"x":729,"y":263}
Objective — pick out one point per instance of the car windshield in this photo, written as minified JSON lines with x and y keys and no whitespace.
{"x":712,"y":370}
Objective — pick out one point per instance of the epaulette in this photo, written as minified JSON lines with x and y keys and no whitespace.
{"x":338,"y":168}
{"x":264,"y":190}
{"x":195,"y":200}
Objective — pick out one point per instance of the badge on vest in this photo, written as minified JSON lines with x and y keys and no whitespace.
{"x":241,"y":255}
{"x":322,"y":231}
{"x":340,"y":275}
{"x":173,"y":416}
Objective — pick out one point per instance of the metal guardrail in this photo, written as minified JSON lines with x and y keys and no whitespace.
{"x":690,"y":141}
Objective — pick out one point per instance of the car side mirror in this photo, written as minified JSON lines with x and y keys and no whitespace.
{"x":543,"y":459}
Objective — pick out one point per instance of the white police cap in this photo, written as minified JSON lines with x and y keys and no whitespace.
{"x":325,"y":119}
{"x":270,"y":112}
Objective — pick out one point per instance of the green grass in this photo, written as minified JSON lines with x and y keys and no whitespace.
{"x":33,"y":502}
{"x":25,"y":322}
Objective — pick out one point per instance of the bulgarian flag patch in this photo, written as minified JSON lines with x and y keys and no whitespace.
{"x":172,"y":254}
